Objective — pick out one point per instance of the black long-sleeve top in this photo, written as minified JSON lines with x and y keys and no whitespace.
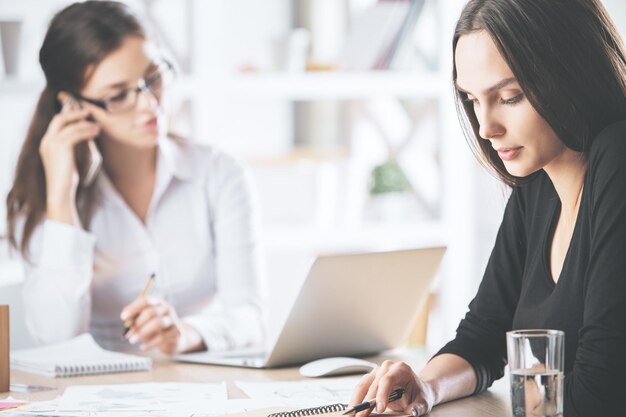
{"x":588,"y":302}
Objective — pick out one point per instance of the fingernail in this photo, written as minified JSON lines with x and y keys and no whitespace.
{"x":124,"y":315}
{"x":380,"y":408}
{"x":133,"y":339}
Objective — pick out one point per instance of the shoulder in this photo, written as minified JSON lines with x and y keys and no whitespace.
{"x":611,"y":140}
{"x":608,"y":153}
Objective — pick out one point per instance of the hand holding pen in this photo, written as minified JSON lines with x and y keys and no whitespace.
{"x":366,"y":405}
{"x":381,"y":385}
{"x":152,"y":322}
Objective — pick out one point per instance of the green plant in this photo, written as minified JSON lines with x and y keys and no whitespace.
{"x":388,"y":177}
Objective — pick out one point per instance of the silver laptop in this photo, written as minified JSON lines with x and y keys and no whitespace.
{"x":349,"y":305}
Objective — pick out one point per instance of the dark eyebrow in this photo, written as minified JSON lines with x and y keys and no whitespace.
{"x":495,"y":87}
{"x":123,"y":84}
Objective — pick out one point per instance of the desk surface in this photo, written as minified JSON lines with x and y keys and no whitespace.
{"x":493,"y":403}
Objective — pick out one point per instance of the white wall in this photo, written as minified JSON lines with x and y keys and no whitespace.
{"x":479,"y":206}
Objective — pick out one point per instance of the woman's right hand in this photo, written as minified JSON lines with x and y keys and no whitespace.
{"x":65,"y":131}
{"x":418,"y":398}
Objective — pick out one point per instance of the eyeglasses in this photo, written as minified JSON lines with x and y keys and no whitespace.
{"x":126,"y":100}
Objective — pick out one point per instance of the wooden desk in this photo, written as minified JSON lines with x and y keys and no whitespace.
{"x":494,"y":403}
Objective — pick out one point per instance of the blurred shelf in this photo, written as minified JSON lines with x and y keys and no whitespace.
{"x":323,"y":85}
{"x":301,"y":155}
{"x":368,"y":237}
{"x":330,"y":85}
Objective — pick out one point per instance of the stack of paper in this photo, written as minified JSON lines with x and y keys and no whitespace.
{"x":176,"y":399}
{"x":169,"y":399}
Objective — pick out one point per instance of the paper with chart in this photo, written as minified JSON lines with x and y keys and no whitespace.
{"x":235,"y":406}
{"x":302,"y":393}
{"x":146,"y":397}
{"x":210,"y":408}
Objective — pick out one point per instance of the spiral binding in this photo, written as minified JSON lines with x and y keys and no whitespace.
{"x":311,"y":411}
{"x":109,"y":366}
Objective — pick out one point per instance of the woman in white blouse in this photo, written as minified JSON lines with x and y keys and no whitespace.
{"x":158,"y":205}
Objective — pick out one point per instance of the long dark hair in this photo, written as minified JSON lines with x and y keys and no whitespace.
{"x":78,"y":38}
{"x":568,"y":59}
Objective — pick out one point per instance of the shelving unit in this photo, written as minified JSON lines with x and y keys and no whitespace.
{"x":331,"y":85}
{"x":207,"y":86}
{"x":258,"y":112}
{"x":249,"y":112}
{"x":217,"y":92}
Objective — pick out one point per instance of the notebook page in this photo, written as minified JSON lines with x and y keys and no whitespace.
{"x":302,"y":394}
{"x":78,"y":356}
{"x":162,"y":397}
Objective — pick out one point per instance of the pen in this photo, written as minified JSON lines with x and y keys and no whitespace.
{"x":395,"y":395}
{"x":128,"y":323}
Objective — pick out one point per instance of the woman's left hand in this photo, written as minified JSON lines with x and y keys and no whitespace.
{"x":156,"y":325}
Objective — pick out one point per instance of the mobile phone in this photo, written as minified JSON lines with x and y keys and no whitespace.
{"x":88,"y":157}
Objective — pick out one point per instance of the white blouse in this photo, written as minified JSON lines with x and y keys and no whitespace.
{"x":199,"y":238}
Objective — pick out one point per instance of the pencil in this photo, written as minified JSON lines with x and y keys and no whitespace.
{"x":146,"y":288}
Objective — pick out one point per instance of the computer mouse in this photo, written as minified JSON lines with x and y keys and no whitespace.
{"x":336,"y":366}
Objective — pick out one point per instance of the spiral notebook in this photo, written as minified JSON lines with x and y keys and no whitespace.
{"x":333,"y":410}
{"x":78,"y":356}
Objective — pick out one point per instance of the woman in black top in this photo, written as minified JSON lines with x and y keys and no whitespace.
{"x":541,"y":92}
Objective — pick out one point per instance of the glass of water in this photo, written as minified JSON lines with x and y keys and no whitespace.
{"x":536,"y":361}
